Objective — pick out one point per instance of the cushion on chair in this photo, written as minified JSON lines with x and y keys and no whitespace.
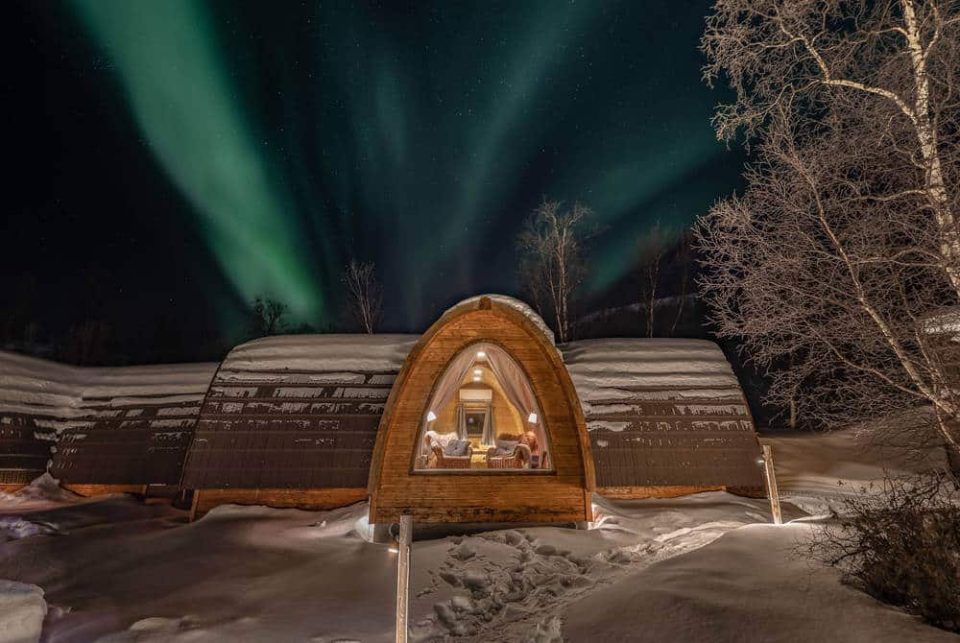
{"x":457,"y":448}
{"x":506,"y":446}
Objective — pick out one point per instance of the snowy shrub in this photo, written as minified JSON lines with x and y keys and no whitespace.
{"x":902,"y":546}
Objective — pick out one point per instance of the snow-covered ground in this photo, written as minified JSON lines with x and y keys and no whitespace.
{"x":700,"y":568}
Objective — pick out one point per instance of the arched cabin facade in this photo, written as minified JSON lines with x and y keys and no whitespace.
{"x":481,"y":419}
{"x":484,"y":339}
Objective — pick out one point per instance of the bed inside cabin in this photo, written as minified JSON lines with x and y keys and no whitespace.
{"x":482,"y":417}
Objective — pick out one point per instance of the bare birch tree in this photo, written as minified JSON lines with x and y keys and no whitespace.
{"x":364,"y":293}
{"x":651,"y":249}
{"x":888,"y":70}
{"x":805,"y":271}
{"x":268,"y":317}
{"x":663,"y":273}
{"x":683,"y":258}
{"x":845,"y":239}
{"x":553,"y":259}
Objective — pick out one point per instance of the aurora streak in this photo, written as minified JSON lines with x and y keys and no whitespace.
{"x":418,"y":137}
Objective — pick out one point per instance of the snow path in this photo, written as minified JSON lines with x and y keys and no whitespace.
{"x":129,"y":572}
{"x":514,"y":585}
{"x":702,"y":567}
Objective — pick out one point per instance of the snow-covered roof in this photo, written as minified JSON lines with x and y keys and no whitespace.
{"x":649,"y":369}
{"x":945,"y":321}
{"x":308,"y":407}
{"x":318,"y":353}
{"x":127,"y":425}
{"x":659,"y":411}
{"x":663,"y":412}
{"x":61,"y":396}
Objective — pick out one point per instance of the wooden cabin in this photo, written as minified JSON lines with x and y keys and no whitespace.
{"x":666,"y":417}
{"x":116,"y":429}
{"x":292,"y":421}
{"x":534,"y":468}
{"x":481,"y":419}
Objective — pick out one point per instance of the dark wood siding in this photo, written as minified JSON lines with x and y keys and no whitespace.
{"x":302,"y":412}
{"x":664,"y":412}
{"x":298,"y":412}
{"x":24,"y":450}
{"x":115,"y":426}
{"x":133,"y":445}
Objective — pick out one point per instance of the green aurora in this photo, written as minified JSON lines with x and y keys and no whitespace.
{"x":181,"y":96}
{"x":418,"y":137}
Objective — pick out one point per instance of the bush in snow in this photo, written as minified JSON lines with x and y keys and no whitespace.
{"x":902,"y":546}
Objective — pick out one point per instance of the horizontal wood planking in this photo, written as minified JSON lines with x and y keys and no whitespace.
{"x":23,"y":452}
{"x":90,"y":490}
{"x":559,"y":496}
{"x":656,"y":491}
{"x":302,"y":429}
{"x":131,"y":456}
{"x":655,"y":420}
{"x":206,"y":499}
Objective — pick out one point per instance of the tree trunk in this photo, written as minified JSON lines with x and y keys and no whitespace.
{"x":927,"y":136}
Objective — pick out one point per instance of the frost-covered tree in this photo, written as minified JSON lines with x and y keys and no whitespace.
{"x":845,"y":240}
{"x":553,"y":260}
{"x":888,"y":71}
{"x":364,"y":294}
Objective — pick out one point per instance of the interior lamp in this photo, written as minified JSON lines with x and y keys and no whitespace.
{"x":481,"y":355}
{"x":477,"y":372}
{"x":532,"y":418}
{"x":431,"y":416}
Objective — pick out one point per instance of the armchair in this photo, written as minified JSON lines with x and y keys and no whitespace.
{"x":448,"y":451}
{"x":517,"y":458}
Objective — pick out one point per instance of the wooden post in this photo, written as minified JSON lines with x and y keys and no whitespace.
{"x":403,"y":576}
{"x":771,"y":477}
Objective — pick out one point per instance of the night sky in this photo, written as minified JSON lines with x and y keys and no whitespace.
{"x":171,"y":160}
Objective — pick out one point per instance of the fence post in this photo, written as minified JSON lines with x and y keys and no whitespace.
{"x":403,"y":576}
{"x":770,"y":475}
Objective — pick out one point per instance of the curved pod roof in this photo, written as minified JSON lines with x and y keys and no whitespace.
{"x":126,"y":425}
{"x":504,"y":496}
{"x":295,"y":412}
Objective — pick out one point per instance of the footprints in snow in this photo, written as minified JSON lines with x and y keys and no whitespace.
{"x":512,"y":584}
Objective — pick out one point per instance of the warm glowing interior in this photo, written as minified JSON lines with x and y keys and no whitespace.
{"x":483,"y":416}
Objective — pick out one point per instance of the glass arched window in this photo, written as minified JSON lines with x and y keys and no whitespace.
{"x":482,"y":417}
